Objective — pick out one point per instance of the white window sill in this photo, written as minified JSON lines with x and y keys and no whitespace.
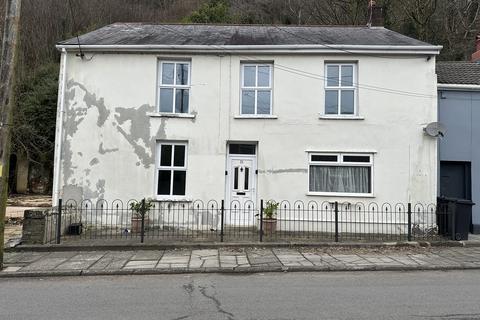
{"x":339,"y":117}
{"x":172,"y":199}
{"x":339,"y":194}
{"x":255,"y":116}
{"x":171,"y":115}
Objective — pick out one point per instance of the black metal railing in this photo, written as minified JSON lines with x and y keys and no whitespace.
{"x":217,"y":221}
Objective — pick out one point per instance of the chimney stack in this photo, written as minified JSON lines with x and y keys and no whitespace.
{"x":375,"y":14}
{"x":476,"y":54}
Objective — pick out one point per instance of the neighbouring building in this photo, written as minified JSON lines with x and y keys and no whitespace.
{"x":26,"y":176}
{"x":476,"y":54}
{"x":459,"y":111}
{"x":245,"y":112}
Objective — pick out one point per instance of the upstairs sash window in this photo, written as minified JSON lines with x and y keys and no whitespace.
{"x":340,"y":89}
{"x":256,"y":89}
{"x":174,"y":86}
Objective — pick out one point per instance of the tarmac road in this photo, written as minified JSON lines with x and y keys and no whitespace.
{"x":323,"y":295}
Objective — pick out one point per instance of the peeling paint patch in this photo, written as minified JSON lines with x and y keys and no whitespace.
{"x":129,"y":122}
{"x":277,"y":171}
{"x":67,"y":162}
{"x":76,"y":111}
{"x":102,"y":150}
{"x":161,"y":134}
{"x":101,"y":187}
{"x":97,"y":193}
{"x":72,"y":192}
{"x":139,"y":134}
{"x":94,"y":161}
{"x":91,"y":100}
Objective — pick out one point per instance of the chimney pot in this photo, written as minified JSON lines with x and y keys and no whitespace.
{"x":476,"y":54}
{"x":375,"y":14}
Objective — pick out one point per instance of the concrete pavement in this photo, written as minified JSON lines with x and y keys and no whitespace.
{"x":237,"y":260}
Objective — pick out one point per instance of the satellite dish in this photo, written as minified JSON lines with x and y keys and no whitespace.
{"x":435,"y":129}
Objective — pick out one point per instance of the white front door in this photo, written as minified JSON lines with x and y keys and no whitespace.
{"x":241,"y":189}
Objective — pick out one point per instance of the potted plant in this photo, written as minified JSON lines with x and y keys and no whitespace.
{"x":269,"y":217}
{"x":139,"y":210}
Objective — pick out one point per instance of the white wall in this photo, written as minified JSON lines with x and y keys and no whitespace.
{"x":111,"y":93}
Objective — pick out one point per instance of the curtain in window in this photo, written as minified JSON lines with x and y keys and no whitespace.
{"x":340,"y":179}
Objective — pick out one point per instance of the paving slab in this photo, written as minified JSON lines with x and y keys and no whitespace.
{"x":231,"y":260}
{"x":88,"y":256}
{"x":75,"y":265}
{"x":315,"y":259}
{"x":11,"y":269}
{"x":24,"y":257}
{"x":148,"y":255}
{"x":333,"y":261}
{"x":141,"y":264}
{"x":262,"y":257}
{"x":353,"y":259}
{"x":405,"y":260}
{"x":46,"y":264}
{"x":206,"y":258}
{"x":112,"y":260}
{"x":173,"y":259}
{"x":291,"y":258}
{"x":62,"y":254}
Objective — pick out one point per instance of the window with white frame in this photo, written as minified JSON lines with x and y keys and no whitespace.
{"x":340,"y":173}
{"x":171,"y":168}
{"x":256,"y":89}
{"x":174,"y":86}
{"x":340,"y":89}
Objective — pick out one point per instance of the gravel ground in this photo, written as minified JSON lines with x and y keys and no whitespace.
{"x":16,"y":205}
{"x":12,"y":231}
{"x":27,"y":200}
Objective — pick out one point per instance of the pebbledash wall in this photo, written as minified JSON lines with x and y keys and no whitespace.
{"x":107,"y":132}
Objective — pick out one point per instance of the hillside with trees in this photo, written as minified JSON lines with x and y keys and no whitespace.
{"x":451,"y":23}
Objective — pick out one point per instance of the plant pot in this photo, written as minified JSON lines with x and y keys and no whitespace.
{"x":269,"y":226}
{"x":136,"y":225}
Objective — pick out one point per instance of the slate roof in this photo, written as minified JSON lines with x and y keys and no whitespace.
{"x":458,"y":72}
{"x":201,"y":34}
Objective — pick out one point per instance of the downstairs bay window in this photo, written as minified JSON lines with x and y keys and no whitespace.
{"x":340,"y":174}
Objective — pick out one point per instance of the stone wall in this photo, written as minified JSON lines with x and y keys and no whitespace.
{"x":35,"y":226}
{"x":40,"y":225}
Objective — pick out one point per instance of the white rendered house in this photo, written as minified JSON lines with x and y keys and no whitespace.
{"x":243,"y":113}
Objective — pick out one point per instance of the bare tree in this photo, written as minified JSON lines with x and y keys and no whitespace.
{"x":461,"y":24}
{"x":420,"y":13}
{"x":342,"y":12}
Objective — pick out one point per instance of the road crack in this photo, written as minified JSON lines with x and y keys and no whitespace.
{"x":218,"y":305}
